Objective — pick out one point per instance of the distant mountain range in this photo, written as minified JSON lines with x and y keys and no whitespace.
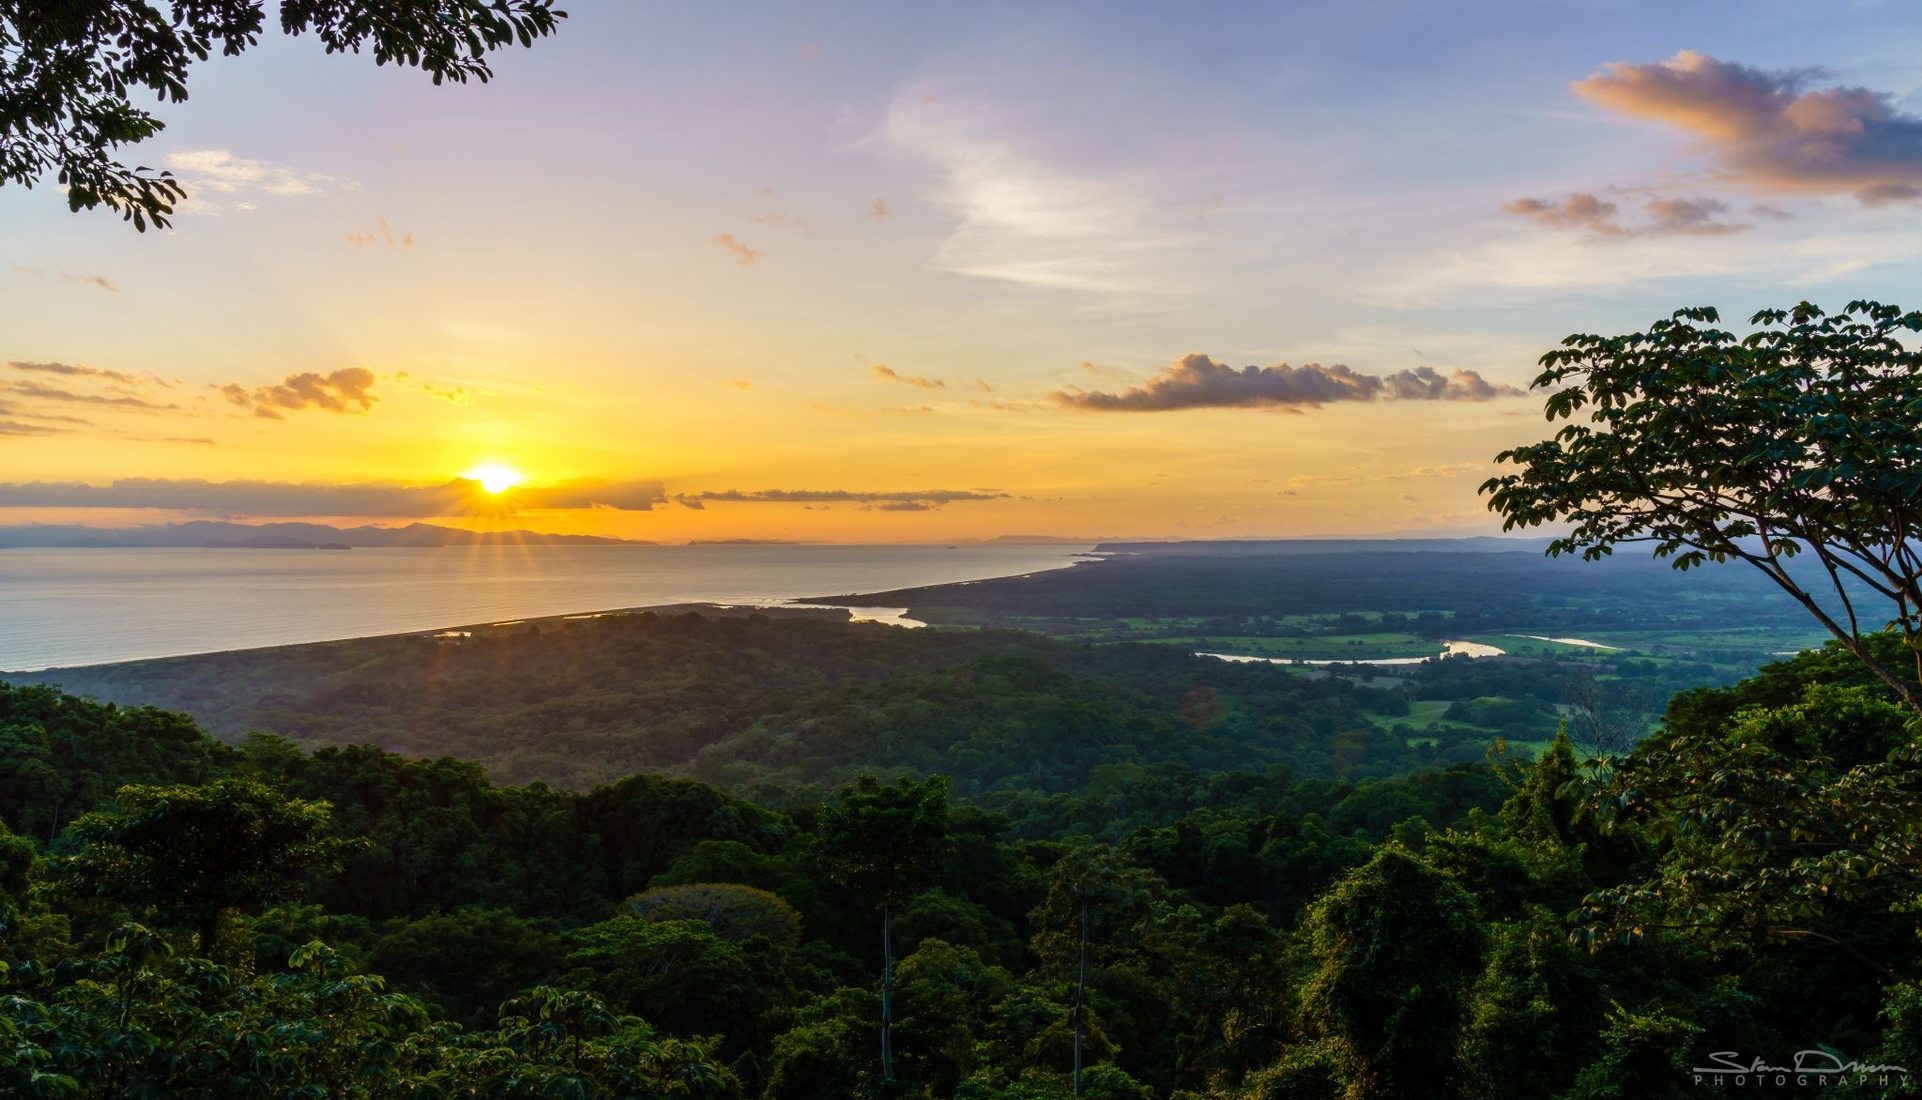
{"x":209,"y":534}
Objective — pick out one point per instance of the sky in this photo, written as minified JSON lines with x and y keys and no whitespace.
{"x":867,"y":272}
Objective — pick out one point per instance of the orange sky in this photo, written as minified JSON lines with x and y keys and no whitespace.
{"x":924,"y":276}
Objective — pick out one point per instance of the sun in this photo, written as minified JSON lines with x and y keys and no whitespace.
{"x":495,"y":477}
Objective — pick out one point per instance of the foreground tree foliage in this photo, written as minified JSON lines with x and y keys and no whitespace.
{"x":70,"y":72}
{"x":1798,"y":445}
{"x":1246,"y":937}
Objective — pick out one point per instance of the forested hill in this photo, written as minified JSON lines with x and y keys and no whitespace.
{"x":1478,"y":586}
{"x":760,"y":701}
{"x":256,"y":920}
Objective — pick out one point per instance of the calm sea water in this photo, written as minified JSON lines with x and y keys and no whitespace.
{"x":77,"y":607}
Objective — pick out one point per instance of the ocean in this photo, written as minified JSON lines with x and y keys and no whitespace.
{"x":80,"y":607}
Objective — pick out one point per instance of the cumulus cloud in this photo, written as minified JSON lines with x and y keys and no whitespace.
{"x":1585,"y":211}
{"x":384,"y":500}
{"x":344,"y":391}
{"x":1767,"y":129}
{"x":892,"y":375}
{"x":1197,"y":381}
{"x":919,"y":499}
{"x":744,"y":255}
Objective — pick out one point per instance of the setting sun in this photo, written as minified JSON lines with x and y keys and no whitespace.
{"x":495,"y":477}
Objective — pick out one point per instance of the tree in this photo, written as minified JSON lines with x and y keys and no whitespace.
{"x":734,"y":912}
{"x":1802,"y":438}
{"x":196,"y":854}
{"x":1398,"y":946}
{"x":70,"y":69}
{"x":1099,"y":902}
{"x":886,"y":843}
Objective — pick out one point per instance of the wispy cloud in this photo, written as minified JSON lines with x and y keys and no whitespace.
{"x":1199,"y":382}
{"x":216,"y":180}
{"x":916,"y":500}
{"x":348,"y":390}
{"x":374,"y":500}
{"x":100,"y":282}
{"x":1766,"y":128}
{"x":889,"y":374}
{"x":381,"y":234}
{"x":17,"y":428}
{"x":111,"y":400}
{"x":743,"y":255}
{"x":73,"y":370}
{"x":1582,"y":210}
{"x":781,"y":219}
{"x":1022,"y":219}
{"x":453,"y":395}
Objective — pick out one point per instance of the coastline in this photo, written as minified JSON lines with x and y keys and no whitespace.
{"x":82,"y":609}
{"x":466,"y":631}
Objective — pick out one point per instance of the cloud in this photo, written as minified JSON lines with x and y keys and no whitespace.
{"x":742,"y":253}
{"x":15,"y":427}
{"x":1762,"y":129}
{"x":627,"y":496}
{"x":920,"y":499}
{"x":781,"y":219}
{"x":1428,"y":384}
{"x":1198,"y":382}
{"x":892,"y":375}
{"x":344,"y":391}
{"x":739,"y":384}
{"x":453,"y":395}
{"x":383,"y":500}
{"x":54,"y":393}
{"x":217,"y":171}
{"x":879,"y":209}
{"x":100,"y":281}
{"x":1685,"y":215}
{"x":1583,"y":210}
{"x":1020,"y":218}
{"x":382,"y":234}
{"x":74,"y":370}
